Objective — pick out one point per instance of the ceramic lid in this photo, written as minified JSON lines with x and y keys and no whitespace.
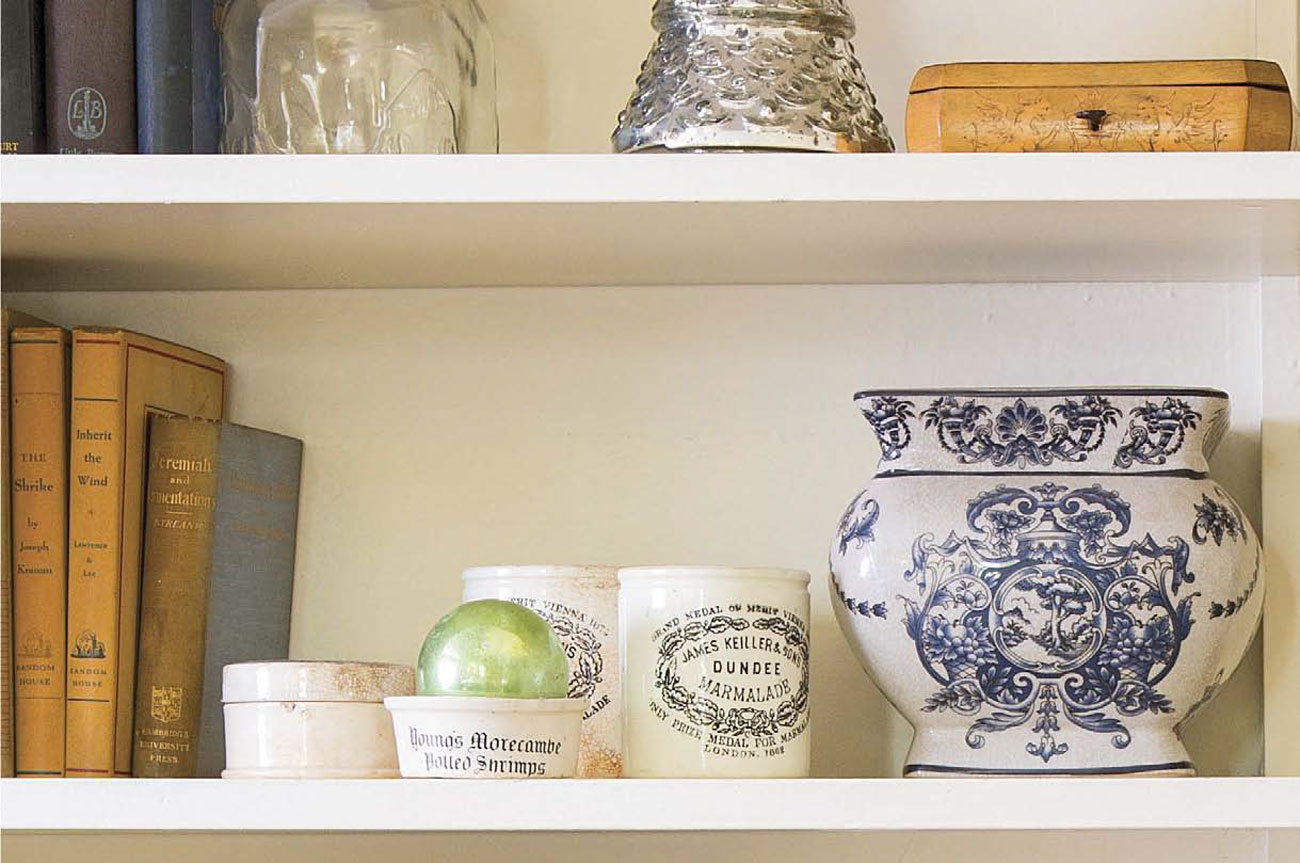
{"x":315,"y":681}
{"x":1157,"y":73}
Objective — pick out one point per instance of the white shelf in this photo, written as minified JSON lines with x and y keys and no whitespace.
{"x":650,"y":805}
{"x":122,"y":222}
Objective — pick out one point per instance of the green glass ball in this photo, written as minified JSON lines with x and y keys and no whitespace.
{"x":493,"y":648}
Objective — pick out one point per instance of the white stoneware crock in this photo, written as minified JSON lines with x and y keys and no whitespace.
{"x":581,"y":605}
{"x":715,"y":671}
{"x":311,"y":720}
{"x":1046,"y":581}
{"x":461,"y":737}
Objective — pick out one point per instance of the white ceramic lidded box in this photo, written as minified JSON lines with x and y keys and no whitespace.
{"x":581,"y":605}
{"x":715,"y":671}
{"x":311,"y":720}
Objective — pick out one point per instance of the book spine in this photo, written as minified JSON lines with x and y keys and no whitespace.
{"x":205,"y":75}
{"x":39,"y":447}
{"x":162,"y":76}
{"x":6,"y":571}
{"x":94,"y":550}
{"x":90,"y":76}
{"x":251,"y":588}
{"x":22,"y":100}
{"x":181,"y":501}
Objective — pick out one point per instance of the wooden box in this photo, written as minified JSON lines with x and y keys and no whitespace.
{"x":1062,"y":107}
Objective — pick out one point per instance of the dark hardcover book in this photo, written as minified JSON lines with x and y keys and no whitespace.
{"x":162,"y":76}
{"x":251,"y":590}
{"x":90,"y":76}
{"x":205,"y":74}
{"x":220,"y":528}
{"x":178,"y":76}
{"x":22,"y":99}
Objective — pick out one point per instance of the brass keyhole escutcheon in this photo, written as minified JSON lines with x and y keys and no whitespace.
{"x":1093,"y":118}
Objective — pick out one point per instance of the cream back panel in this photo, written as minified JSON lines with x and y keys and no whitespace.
{"x":446,"y":428}
{"x":567,"y":67}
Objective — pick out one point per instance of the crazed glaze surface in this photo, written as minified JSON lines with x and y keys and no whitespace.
{"x":581,"y":605}
{"x":1046,"y":581}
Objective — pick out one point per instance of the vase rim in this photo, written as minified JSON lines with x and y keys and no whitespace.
{"x":1007,"y":392}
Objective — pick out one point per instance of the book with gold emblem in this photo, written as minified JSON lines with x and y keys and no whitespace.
{"x":220,"y":528}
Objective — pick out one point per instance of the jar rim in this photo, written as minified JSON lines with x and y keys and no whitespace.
{"x":568,"y":571}
{"x":722,"y":573}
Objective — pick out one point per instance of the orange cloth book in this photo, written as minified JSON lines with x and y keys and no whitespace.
{"x":9,"y":318}
{"x":119,"y":379}
{"x":38,"y":364}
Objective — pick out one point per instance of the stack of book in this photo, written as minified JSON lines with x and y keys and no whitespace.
{"x":110,"y":76}
{"x":147,"y":544}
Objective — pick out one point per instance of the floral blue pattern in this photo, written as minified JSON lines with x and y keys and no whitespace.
{"x":857,"y":528}
{"x":858,"y":522}
{"x":888,"y":417}
{"x":1045,"y":615}
{"x":1234,"y":605}
{"x":862,"y":607}
{"x":1156,"y":431}
{"x":1020,"y":434}
{"x":1216,"y":521}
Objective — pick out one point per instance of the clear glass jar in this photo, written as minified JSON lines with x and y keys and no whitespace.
{"x":357,"y":76}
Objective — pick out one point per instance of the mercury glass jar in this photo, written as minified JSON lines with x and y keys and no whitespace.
{"x":357,"y":76}
{"x":752,"y":75}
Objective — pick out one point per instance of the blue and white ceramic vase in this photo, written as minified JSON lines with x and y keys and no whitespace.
{"x":1046,"y":581}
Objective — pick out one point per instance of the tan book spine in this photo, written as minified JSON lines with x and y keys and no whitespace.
{"x":39,"y":447}
{"x":9,"y":318}
{"x":6,"y":571}
{"x":94,"y":549}
{"x":180,"y":503}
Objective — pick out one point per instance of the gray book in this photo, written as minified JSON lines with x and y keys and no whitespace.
{"x":251,"y":585}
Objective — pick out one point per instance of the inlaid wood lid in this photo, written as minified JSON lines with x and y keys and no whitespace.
{"x":1158,"y":73}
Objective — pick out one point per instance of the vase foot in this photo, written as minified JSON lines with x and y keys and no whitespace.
{"x":932,"y":771}
{"x":946,"y":753}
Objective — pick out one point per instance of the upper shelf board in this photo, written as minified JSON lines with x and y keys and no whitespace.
{"x":643,"y":805}
{"x":236,"y":222}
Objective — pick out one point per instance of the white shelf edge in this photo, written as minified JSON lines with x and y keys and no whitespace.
{"x":648,"y":805}
{"x":659,"y":178}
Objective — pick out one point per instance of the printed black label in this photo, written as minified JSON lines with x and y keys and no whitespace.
{"x":734,"y":677}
